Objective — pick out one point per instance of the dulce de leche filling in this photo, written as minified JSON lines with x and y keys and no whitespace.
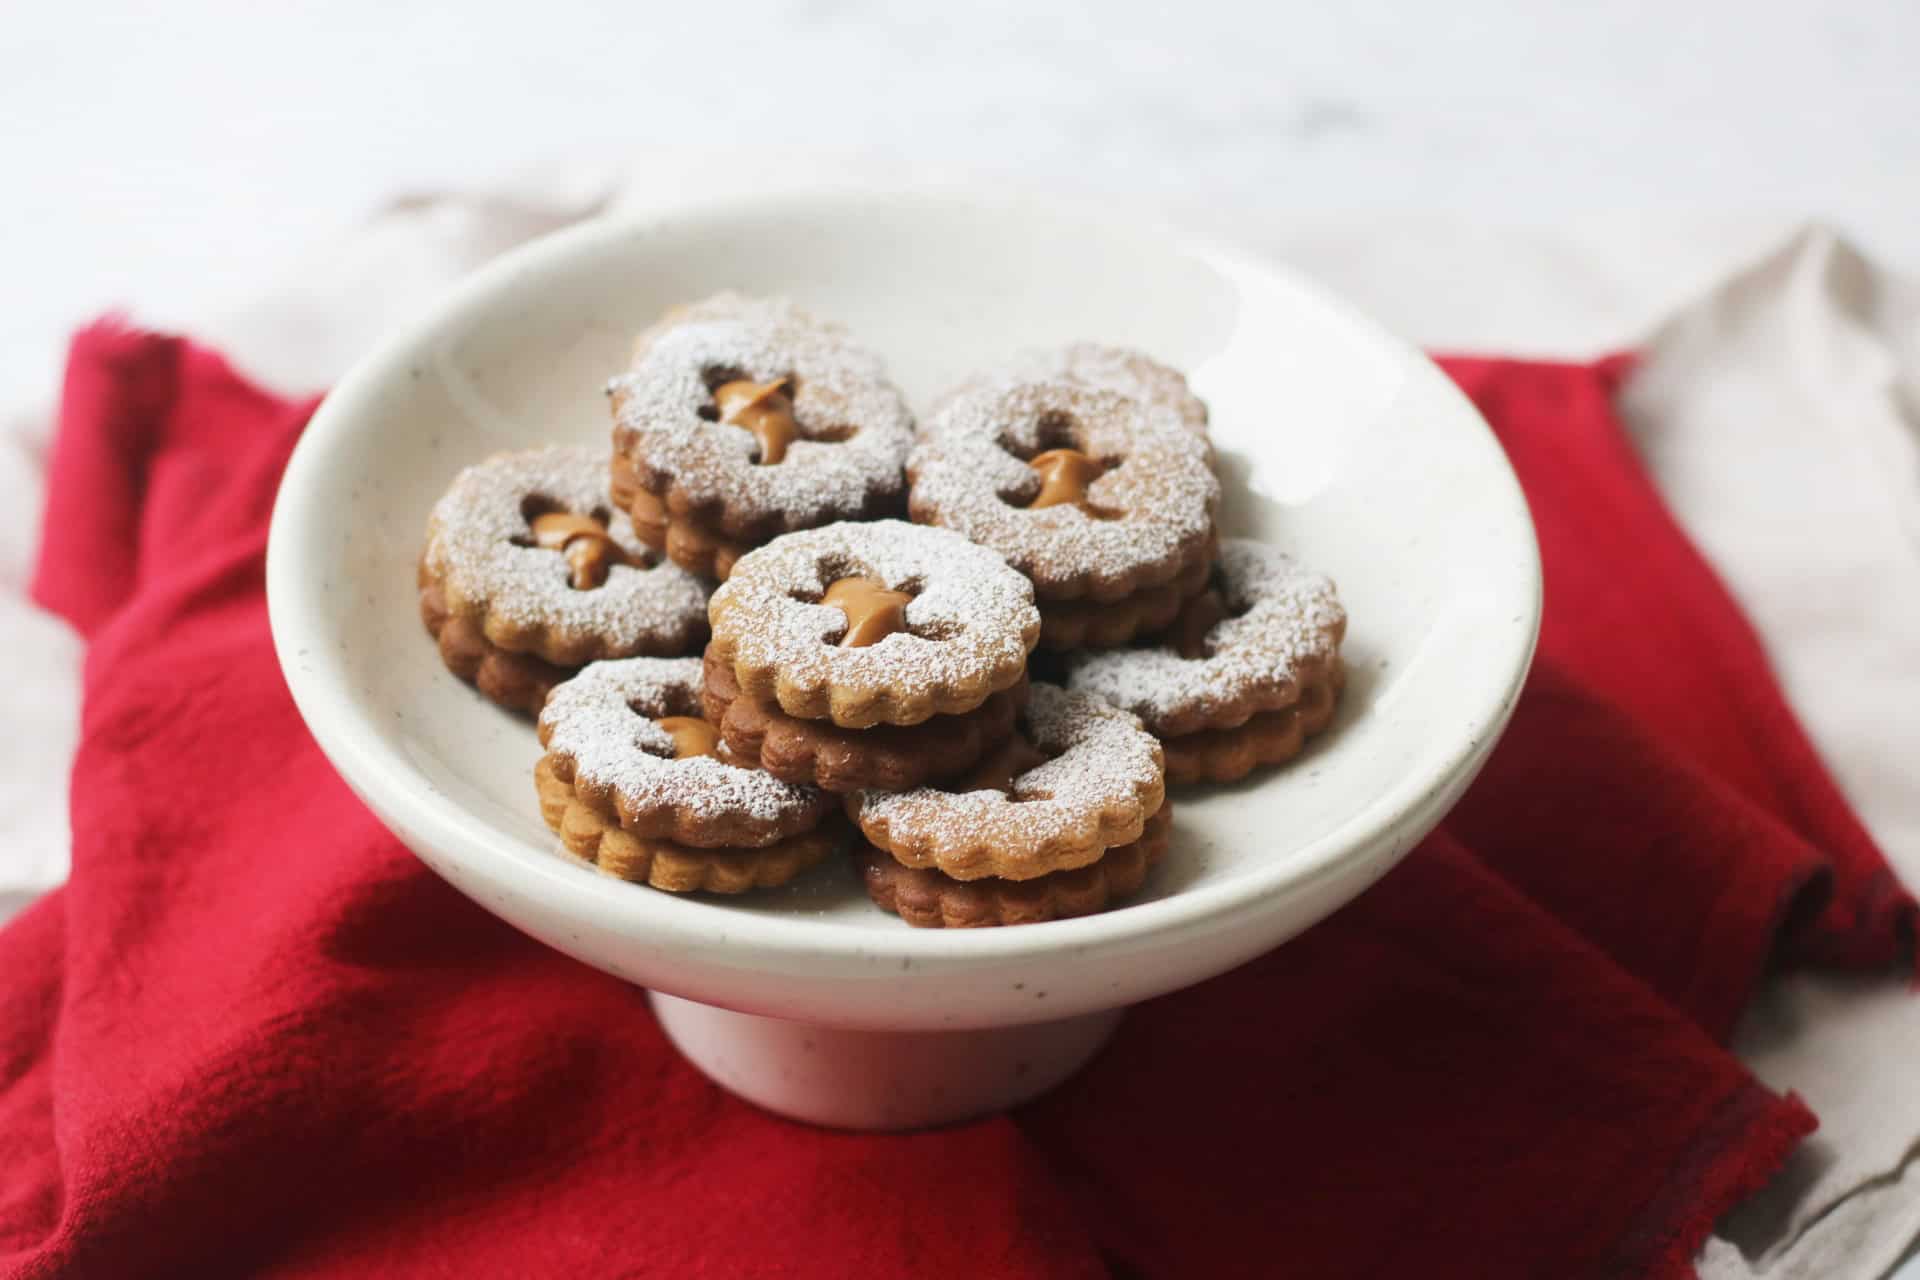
{"x":997,"y":771}
{"x":1064,"y":477}
{"x":762,"y":408}
{"x":691,"y":736}
{"x":873,"y":612}
{"x":590,"y":550}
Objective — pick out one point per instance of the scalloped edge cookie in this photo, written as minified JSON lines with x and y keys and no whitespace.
{"x":596,"y":837}
{"x":1126,"y":370}
{"x":1269,"y":738}
{"x":479,"y":553}
{"x":927,"y":899}
{"x":969,"y":472}
{"x":600,"y":733}
{"x":702,"y":470}
{"x":782,"y":645}
{"x":1104,"y":777}
{"x":1286,"y":633}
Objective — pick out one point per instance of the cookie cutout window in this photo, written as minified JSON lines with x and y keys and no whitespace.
{"x":873,"y":612}
{"x":764,"y":410}
{"x":1066,"y":468}
{"x":1003,"y":768}
{"x":1188,"y":636}
{"x":691,"y":736}
{"x":583,"y":539}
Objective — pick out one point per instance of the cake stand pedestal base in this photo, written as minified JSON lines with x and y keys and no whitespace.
{"x":879,"y":1080}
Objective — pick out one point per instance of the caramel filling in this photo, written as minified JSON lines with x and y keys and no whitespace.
{"x":1188,"y":635}
{"x":1064,"y":477}
{"x":691,"y":736}
{"x":763,"y":409}
{"x":997,"y":771}
{"x":590,"y":550}
{"x":873,"y":612}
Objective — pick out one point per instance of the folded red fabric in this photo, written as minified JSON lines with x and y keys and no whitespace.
{"x":253,"y":1036}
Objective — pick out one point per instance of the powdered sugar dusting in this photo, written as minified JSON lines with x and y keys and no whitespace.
{"x":969,"y":620}
{"x":1291,"y":621}
{"x":838,"y":388}
{"x":1102,"y":761}
{"x":1131,"y":373}
{"x":603,"y":719}
{"x":969,"y":473}
{"x":729,"y":306}
{"x":474,"y":545}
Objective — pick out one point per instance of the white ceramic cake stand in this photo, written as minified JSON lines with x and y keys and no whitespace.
{"x":1336,"y":441}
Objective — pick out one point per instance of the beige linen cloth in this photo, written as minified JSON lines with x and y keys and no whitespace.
{"x":1781,"y":417}
{"x":1779,"y":412}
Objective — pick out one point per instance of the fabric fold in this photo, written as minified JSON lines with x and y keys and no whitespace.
{"x":265,"y":1040}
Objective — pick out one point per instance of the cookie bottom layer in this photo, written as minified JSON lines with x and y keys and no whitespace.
{"x":1091,"y":624}
{"x":929,"y":899}
{"x":596,"y":836}
{"x":517,"y":681}
{"x":1270,"y":738}
{"x":686,"y":542}
{"x":884,"y":758}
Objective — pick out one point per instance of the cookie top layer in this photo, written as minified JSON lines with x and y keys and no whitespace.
{"x":1282,"y":629}
{"x":481,"y":546}
{"x":854,"y":428}
{"x":603,"y":726}
{"x":1103,"y":777}
{"x":1132,"y":373}
{"x":1148,"y":508}
{"x":968,"y":624}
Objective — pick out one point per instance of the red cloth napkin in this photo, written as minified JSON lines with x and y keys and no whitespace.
{"x":253,"y":1036}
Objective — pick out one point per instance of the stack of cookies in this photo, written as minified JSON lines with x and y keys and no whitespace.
{"x":743,"y":419}
{"x":887,"y":662}
{"x":858,"y":665}
{"x":1095,"y":481}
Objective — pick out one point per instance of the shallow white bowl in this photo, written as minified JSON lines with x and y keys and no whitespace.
{"x":1336,"y":441}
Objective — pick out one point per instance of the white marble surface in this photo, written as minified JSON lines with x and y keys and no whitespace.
{"x":163,"y":157}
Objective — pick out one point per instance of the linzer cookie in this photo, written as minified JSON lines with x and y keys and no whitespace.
{"x":879,"y":623}
{"x":743,"y":419}
{"x":1106,"y":502}
{"x":637,"y":783}
{"x":529,"y":572}
{"x":1077,"y":779}
{"x":1133,"y":374}
{"x":1248,"y":672}
{"x":930,"y":899}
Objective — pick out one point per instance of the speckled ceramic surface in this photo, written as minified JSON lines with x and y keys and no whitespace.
{"x":1335,"y":440}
